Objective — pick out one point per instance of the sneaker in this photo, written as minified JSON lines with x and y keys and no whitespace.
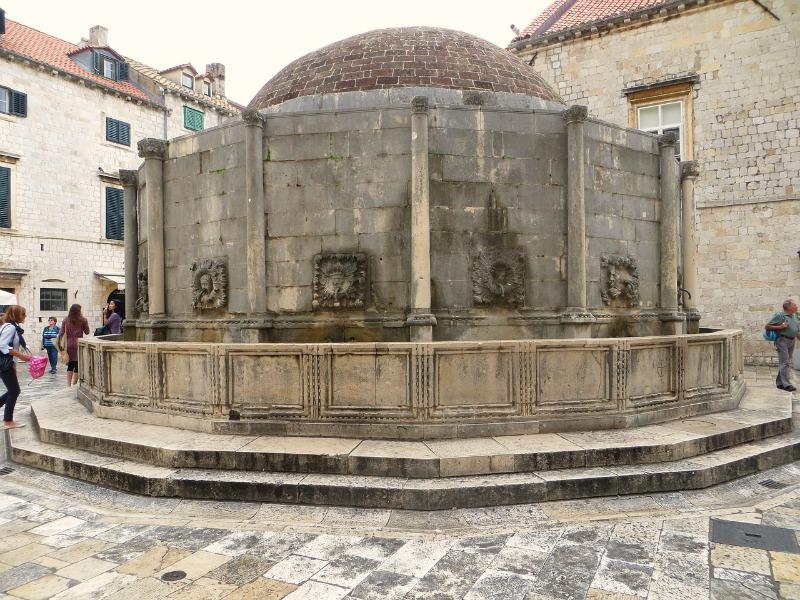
{"x":790,"y":388}
{"x":52,"y":371}
{"x":780,"y":387}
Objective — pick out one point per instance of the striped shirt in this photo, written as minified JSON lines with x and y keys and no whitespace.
{"x":49,"y":336}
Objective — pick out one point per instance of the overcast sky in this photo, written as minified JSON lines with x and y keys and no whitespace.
{"x":256,"y":39}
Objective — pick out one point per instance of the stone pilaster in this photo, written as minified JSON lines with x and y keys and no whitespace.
{"x":130,"y":184}
{"x":256,"y":212}
{"x":420,"y":319}
{"x":689,"y":172}
{"x":671,"y":318}
{"x":576,"y":317}
{"x":154,"y":151}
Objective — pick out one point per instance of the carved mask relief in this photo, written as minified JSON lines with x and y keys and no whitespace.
{"x":209,"y":283}
{"x":340,"y":281}
{"x":143,"y":301}
{"x":622,"y":285}
{"x":498,"y":277}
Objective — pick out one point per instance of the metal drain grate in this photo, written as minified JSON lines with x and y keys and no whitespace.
{"x":173,"y":576}
{"x":6,"y":470}
{"x":773,"y":485}
{"x":750,"y":535}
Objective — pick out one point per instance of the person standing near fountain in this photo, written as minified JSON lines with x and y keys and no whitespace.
{"x":785,"y":323}
{"x":74,"y":326}
{"x":11,"y":341}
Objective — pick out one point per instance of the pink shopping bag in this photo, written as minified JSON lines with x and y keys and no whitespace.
{"x":37,"y":366}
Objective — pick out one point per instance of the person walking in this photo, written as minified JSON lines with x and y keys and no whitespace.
{"x":75,"y":326}
{"x":11,"y":341}
{"x":787,"y":326}
{"x":49,"y":336}
{"x":111,"y":318}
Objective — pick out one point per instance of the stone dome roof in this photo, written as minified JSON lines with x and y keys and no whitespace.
{"x":404,"y":57}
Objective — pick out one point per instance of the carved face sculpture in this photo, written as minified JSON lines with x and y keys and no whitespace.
{"x":339,"y":281}
{"x":206,"y":283}
{"x":498,"y":277}
{"x":501,"y":277}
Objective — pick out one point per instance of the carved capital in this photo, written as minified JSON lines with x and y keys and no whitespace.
{"x":667,"y":139}
{"x":129,"y":178}
{"x":252,"y":118}
{"x":575,"y":114}
{"x":689,"y":169}
{"x":419,"y":105}
{"x":152,"y":148}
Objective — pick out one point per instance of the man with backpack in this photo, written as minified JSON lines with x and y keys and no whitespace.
{"x":787,"y":327}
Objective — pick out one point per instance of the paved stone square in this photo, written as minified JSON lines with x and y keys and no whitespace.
{"x":62,"y":538}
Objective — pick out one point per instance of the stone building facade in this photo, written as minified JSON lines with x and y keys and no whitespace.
{"x":728,"y":70}
{"x":60,"y":155}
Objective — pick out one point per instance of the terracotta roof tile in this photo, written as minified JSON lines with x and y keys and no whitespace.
{"x":566,"y":14}
{"x":214,"y":101}
{"x":44,"y":48}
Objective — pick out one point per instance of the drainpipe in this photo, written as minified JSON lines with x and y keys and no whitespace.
{"x":166,"y":111}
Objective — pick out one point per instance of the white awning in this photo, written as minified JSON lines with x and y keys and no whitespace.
{"x":119,"y":280}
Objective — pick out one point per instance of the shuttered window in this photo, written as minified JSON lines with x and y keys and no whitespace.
{"x":5,"y":197}
{"x":192,"y":119}
{"x":118,"y":132}
{"x":13,"y":102}
{"x":109,"y":67}
{"x":115,"y":216}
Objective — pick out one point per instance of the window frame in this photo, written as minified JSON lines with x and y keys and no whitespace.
{"x":12,"y":97}
{"x":121,"y":126}
{"x":188,"y":110}
{"x":184,"y":77}
{"x":50,"y":309}
{"x":104,"y":60}
{"x":207,"y":88}
{"x":666,"y":94}
{"x":661,"y":128}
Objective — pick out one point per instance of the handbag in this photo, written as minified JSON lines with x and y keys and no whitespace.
{"x":6,"y":360}
{"x":104,"y":330}
{"x":771,"y":335}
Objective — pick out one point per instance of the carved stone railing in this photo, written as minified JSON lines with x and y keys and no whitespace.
{"x":414,"y":390}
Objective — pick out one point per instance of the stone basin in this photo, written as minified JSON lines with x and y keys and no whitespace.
{"x":414,"y":391}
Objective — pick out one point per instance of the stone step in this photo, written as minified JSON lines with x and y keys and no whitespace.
{"x":405,"y":493}
{"x":63,"y":421}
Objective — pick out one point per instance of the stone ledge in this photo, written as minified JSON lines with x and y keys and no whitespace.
{"x":62,"y":421}
{"x":404,"y":493}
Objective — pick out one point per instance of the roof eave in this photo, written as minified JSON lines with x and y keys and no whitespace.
{"x":6,"y":53}
{"x":591,"y":27}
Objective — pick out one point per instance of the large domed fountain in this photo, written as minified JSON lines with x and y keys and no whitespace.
{"x":409,"y":235}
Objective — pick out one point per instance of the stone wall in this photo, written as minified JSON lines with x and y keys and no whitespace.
{"x":744,"y":130}
{"x":338,"y":183}
{"x":337,"y":187}
{"x":414,"y":390}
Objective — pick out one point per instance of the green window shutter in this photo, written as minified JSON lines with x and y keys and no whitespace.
{"x":5,"y":197}
{"x":112,"y":130}
{"x":124,"y":133}
{"x":97,"y":63}
{"x":115,"y":217}
{"x":192,"y":119}
{"x":123,"y":71}
{"x":18,"y":103}
{"x":118,"y":132}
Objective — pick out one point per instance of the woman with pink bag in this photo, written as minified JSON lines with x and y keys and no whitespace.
{"x":11,"y":341}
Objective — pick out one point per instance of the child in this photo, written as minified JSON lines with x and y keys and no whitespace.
{"x":49,"y":336}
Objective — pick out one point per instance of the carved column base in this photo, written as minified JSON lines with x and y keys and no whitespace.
{"x":421,"y":326}
{"x":577,"y":322}
{"x":692,"y":320}
{"x":673,"y":322}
